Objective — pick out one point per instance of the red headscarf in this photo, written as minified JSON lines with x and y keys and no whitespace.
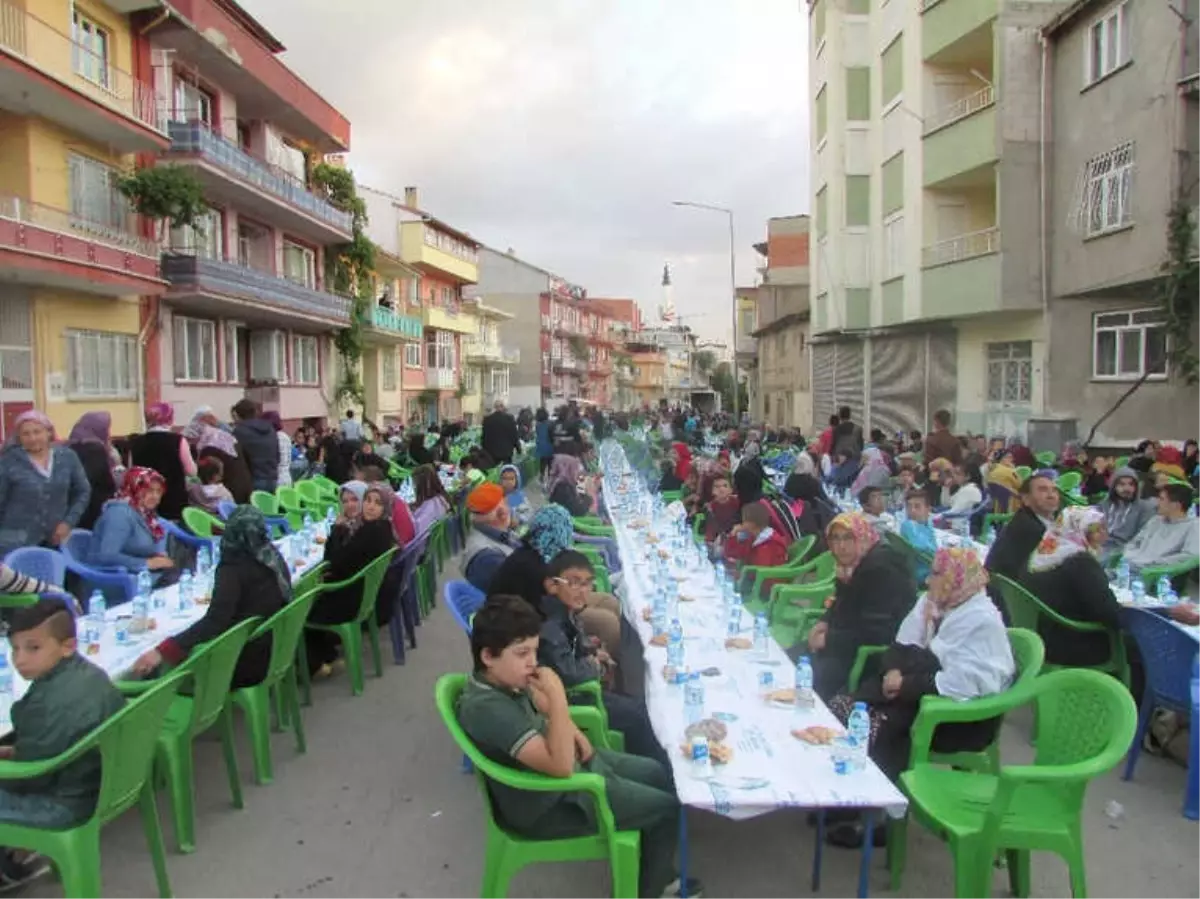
{"x":683,"y":455}
{"x":134,"y":485}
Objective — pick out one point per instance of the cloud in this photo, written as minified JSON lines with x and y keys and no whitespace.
{"x":565,"y":128}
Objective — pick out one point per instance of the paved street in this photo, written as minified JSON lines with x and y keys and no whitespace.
{"x":378,"y":807}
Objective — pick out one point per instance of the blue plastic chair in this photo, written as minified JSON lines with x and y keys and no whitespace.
{"x":406,"y":613}
{"x":225,"y":508}
{"x":37,"y":561}
{"x":117,"y":584}
{"x":463,"y":600}
{"x":186,"y":538}
{"x":1169,"y":656}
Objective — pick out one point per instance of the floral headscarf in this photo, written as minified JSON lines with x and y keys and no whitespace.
{"x":865,"y":537}
{"x":1068,"y":538}
{"x":245,"y":536}
{"x":160,"y":415}
{"x":550,"y":531}
{"x":134,"y":485}
{"x":92,"y":427}
{"x":957,"y":574}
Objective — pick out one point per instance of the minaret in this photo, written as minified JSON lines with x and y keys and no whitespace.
{"x":667,"y":311}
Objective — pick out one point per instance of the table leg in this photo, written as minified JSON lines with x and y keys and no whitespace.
{"x":683,"y":852}
{"x":817,"y":850}
{"x":864,"y":866}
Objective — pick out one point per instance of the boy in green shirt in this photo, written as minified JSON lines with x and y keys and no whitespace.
{"x":517,"y":715}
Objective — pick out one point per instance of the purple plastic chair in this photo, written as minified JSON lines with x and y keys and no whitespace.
{"x":1169,"y":655}
{"x":406,"y":615}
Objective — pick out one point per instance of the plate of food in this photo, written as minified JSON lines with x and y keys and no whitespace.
{"x":738,"y":643}
{"x":817,"y":735}
{"x":783,"y":696}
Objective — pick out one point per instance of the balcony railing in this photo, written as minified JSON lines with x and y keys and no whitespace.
{"x":965,"y":246}
{"x":389,"y":320}
{"x":199,"y":138}
{"x":122,"y":232}
{"x":221,"y":277}
{"x":960,"y":109}
{"x":440,"y":378}
{"x":43,"y":46}
{"x":479,"y":349}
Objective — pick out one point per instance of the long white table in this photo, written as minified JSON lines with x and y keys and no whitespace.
{"x":116,"y":659}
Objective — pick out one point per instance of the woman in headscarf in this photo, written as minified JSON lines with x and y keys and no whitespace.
{"x":875,"y":471}
{"x":951,"y":644}
{"x":682,"y":456}
{"x":168,"y":453}
{"x":128,"y":533}
{"x":1022,"y":456}
{"x":1169,"y":461}
{"x":562,"y":486}
{"x":252,"y":581}
{"x":91,"y":441}
{"x":283,"y":477}
{"x":1065,"y":573}
{"x":807,"y":489}
{"x":873,"y":592}
{"x":44,"y":490}
{"x":749,"y":475}
{"x":1002,"y":476}
{"x":430,"y":502}
{"x":222,"y":445}
{"x":362,"y":532}
{"x":202,"y":417}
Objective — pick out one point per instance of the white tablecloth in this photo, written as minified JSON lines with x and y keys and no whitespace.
{"x":116,"y":659}
{"x":770,"y":768}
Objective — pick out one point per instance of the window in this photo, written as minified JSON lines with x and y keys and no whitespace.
{"x":500,"y":381}
{"x":205,"y":239}
{"x":440,"y":351}
{"x":1108,"y":44}
{"x":412,"y":408}
{"x":1127,"y":345}
{"x":195,"y":349}
{"x":102,"y":364}
{"x":268,"y":356}
{"x":192,"y":103}
{"x":412,"y":355}
{"x":893,"y":247}
{"x":414,"y":291}
{"x":89,"y":49}
{"x":305,"y":368}
{"x":1010,"y":372}
{"x":1109,"y":183}
{"x":299,"y":264}
{"x":471,"y":379}
{"x":95,"y":203}
{"x":233,"y":354}
{"x":387,"y":368}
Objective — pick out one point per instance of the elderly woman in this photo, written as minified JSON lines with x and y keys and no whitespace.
{"x":167,"y":453}
{"x":875,"y":471}
{"x":128,"y":533}
{"x":252,"y":581}
{"x":91,"y":441}
{"x":562,"y":485}
{"x":953,"y":644}
{"x":873,"y":592}
{"x":44,"y":490}
{"x":219,"y":444}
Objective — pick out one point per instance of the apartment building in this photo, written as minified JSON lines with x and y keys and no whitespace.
{"x":745,"y":350}
{"x":1124,"y":88}
{"x":649,"y":375}
{"x":487,"y":360}
{"x":782,"y":333}
{"x":624,"y":319}
{"x":926,"y":272}
{"x":75,"y":105}
{"x":446,"y":260}
{"x":393,"y":342}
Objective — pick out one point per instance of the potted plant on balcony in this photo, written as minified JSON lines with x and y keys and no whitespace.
{"x":165,"y":194}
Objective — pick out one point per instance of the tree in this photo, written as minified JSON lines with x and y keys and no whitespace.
{"x":705,"y":361}
{"x":722,"y":383}
{"x":168,"y":194}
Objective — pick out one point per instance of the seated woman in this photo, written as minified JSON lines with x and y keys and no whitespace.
{"x":563,"y":486}
{"x":1065,"y":573}
{"x":430,"y":503}
{"x":128,"y":533}
{"x":362,"y":533}
{"x":952,"y":643}
{"x":873,"y":592}
{"x":252,"y":581}
{"x":964,"y":491}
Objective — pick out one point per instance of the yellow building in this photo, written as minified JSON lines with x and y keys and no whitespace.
{"x":486,"y":362}
{"x":74,"y":259}
{"x":389,"y":336}
{"x":649,"y":377}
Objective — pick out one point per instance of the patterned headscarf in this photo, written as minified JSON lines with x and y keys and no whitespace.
{"x":1069,"y":537}
{"x":865,"y":537}
{"x":92,"y":427}
{"x":387,"y":496}
{"x":957,"y":574}
{"x":211,"y":436}
{"x":160,"y":415}
{"x":246,"y":537}
{"x":200,"y":420}
{"x":563,"y":470}
{"x":550,"y":531}
{"x":134,"y":485}
{"x":357,"y":489}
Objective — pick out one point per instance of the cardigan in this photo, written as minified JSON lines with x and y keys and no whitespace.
{"x":33,"y":504}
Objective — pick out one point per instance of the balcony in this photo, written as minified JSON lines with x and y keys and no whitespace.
{"x":962,"y":275}
{"x":262,"y":190}
{"x":53,"y":247}
{"x":441,"y":318}
{"x":385,"y":325}
{"x":945,"y":23}
{"x":564,"y":363}
{"x":479,"y":351}
{"x":440,"y":379}
{"x":439,"y":252}
{"x":233,"y":290}
{"x":962,"y":151}
{"x":960,"y":109}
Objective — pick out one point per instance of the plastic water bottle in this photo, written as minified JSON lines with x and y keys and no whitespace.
{"x":330,"y":517}
{"x":701,"y":764}
{"x":675,"y":645}
{"x":859,"y":731}
{"x":6,"y":675}
{"x":187,"y":592}
{"x":1164,"y":588}
{"x":308,"y":523}
{"x":735,"y":616}
{"x":204,"y":564}
{"x":141,"y":611}
{"x":805,"y":699}
{"x":762,"y":636}
{"x":145,"y":582}
{"x":1123,"y":574}
{"x":693,"y":698}
{"x":121,"y":631}
{"x":1138,"y":589}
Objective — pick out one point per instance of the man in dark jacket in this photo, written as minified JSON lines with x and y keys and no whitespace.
{"x":256,"y":438}
{"x":941,"y":444}
{"x":847,"y":436}
{"x":1018,"y":539}
{"x":499,"y":435}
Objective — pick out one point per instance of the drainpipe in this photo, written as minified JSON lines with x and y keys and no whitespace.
{"x":1043,"y":229}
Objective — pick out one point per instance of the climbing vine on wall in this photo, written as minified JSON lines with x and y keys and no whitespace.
{"x":349,"y":271}
{"x":172,"y":195}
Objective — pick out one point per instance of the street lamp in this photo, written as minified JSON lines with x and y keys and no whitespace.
{"x":732,"y":289}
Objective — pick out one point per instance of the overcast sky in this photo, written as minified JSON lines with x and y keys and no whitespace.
{"x":564,"y":128}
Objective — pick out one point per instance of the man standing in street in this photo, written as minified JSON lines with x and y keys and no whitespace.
{"x":941,"y":444}
{"x":847,"y":436}
{"x":351,"y":429}
{"x":499,"y":436}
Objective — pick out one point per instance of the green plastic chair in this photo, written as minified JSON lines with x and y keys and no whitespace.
{"x":316,"y":498}
{"x":991,"y":519}
{"x":506,"y":853}
{"x":1089,"y":722}
{"x":798,"y":549}
{"x":592,"y":527}
{"x":698,"y":526}
{"x":427,"y":575}
{"x":350,"y":632}
{"x":201,"y":523}
{"x":1151,"y":575}
{"x":311,"y":581}
{"x":815,"y":570}
{"x":1046,"y":458}
{"x":1069,"y":480}
{"x":1120,"y":462}
{"x":789,"y":608}
{"x":286,"y":628}
{"x":126,"y":746}
{"x":603,"y":585}
{"x":210,"y":668}
{"x":670,"y":496}
{"x":1023,"y":472}
{"x":293,"y":507}
{"x":327,"y":484}
{"x":439,"y":542}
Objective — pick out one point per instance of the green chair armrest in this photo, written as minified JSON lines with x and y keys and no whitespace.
{"x":1156,"y":571}
{"x":591,"y":721}
{"x":936,"y":710}
{"x":592,"y":689}
{"x":860,"y":663}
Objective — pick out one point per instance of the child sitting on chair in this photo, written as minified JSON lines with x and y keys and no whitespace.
{"x":211,"y":491}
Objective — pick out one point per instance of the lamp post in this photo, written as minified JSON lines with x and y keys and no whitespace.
{"x":732,"y":291}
